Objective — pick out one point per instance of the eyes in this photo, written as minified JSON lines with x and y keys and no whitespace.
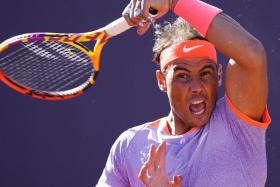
{"x":186,"y":76}
{"x":183,"y":76}
{"x":205,"y":73}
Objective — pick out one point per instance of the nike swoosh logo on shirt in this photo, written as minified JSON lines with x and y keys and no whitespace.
{"x":188,"y":49}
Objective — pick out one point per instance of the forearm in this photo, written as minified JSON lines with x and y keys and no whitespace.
{"x":231,"y":39}
{"x":246,"y":76}
{"x":246,"y":81}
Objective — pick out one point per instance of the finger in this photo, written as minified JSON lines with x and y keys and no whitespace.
{"x":138,"y":15}
{"x":145,"y":8}
{"x":160,"y":155}
{"x":138,"y":9}
{"x":133,"y":5}
{"x":143,"y":29}
{"x":126,"y":13}
{"x":151,"y":160}
{"x":143,"y":174}
{"x":135,"y":12}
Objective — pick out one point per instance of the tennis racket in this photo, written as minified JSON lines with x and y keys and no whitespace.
{"x":54,"y":66}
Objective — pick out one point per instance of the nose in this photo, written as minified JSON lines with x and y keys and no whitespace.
{"x":196,"y":86}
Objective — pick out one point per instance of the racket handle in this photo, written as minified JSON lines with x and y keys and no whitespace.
{"x":120,"y":25}
{"x":117,"y":27}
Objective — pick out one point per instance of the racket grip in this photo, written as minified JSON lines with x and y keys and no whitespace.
{"x":117,"y":27}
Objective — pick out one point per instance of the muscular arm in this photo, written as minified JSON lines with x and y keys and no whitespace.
{"x":246,"y":82}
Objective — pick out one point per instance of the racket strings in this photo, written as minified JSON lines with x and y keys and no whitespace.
{"x":80,"y":70}
{"x":48,"y":66}
{"x":14,"y":56}
{"x":66,"y":76}
{"x":61,"y":71}
{"x":46,"y":73}
{"x":22,"y":59}
{"x":25,"y":62}
{"x":66,"y":80}
{"x":11,"y":56}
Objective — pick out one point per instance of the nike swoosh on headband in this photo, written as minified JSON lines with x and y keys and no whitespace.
{"x":188,"y":49}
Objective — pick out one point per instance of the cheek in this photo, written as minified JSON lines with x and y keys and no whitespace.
{"x":177,"y":94}
{"x":212,"y":89}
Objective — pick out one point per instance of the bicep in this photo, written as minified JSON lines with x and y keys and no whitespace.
{"x":247,"y":88}
{"x":246,"y":80}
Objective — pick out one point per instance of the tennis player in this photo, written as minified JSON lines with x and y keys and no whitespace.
{"x":203,"y":141}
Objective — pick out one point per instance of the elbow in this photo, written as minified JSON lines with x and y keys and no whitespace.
{"x":256,"y":54}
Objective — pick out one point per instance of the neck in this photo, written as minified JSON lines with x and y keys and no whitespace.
{"x":176,"y":125}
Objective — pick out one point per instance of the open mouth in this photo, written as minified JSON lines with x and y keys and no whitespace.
{"x":197,"y":107}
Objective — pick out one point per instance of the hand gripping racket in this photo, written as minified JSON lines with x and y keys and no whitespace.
{"x":54,"y":66}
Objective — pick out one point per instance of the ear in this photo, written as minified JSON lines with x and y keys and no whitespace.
{"x":220,"y":74}
{"x":161,"y":81}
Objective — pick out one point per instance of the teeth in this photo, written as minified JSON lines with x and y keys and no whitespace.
{"x":197,"y":102}
{"x":198,"y":113}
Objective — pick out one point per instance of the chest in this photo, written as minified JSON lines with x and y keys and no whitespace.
{"x":200,"y":163}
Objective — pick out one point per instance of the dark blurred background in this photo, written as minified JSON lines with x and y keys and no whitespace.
{"x":66,"y":143}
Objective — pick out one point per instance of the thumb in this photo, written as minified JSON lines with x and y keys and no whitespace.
{"x":143,"y":29}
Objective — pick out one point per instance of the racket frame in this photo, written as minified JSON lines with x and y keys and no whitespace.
{"x":101,"y":36}
{"x":75,"y":40}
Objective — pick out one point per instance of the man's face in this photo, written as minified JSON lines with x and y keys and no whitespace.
{"x":191,"y":85}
